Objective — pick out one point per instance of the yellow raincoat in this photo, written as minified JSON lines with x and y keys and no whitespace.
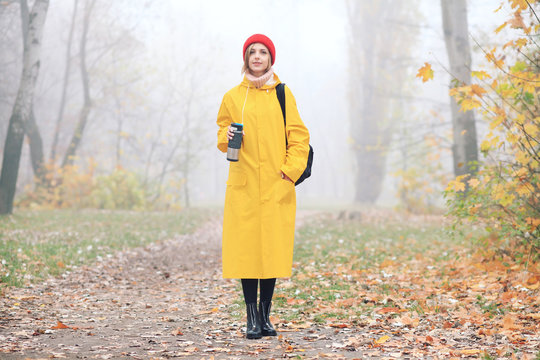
{"x":260,"y":206}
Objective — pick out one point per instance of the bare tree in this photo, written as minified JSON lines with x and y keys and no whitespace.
{"x":455,"y":26}
{"x":378,"y":45}
{"x":23,"y":105}
{"x":87,"y":105}
{"x":65,"y":84}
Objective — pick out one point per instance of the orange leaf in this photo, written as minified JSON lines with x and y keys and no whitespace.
{"x":339,"y":326}
{"x":177,"y":332}
{"x":389,"y":310}
{"x":386,"y":263}
{"x":477,"y":90}
{"x":508,"y":322}
{"x":59,"y":325}
{"x":425,"y":72}
{"x":447,"y":325}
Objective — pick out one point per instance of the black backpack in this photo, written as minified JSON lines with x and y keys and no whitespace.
{"x":280,"y":91}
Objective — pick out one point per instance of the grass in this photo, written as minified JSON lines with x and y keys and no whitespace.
{"x":38,"y":244}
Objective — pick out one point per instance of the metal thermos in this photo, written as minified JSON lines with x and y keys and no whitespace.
{"x":233,"y":150}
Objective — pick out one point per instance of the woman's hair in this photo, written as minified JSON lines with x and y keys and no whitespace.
{"x":245,"y":67}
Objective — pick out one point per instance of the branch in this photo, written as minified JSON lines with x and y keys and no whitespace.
{"x":497,"y":65}
{"x":530,"y":7}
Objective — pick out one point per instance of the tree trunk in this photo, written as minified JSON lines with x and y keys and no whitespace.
{"x":69,"y":157}
{"x":455,"y":26}
{"x":64,"y":85}
{"x":36,"y":147}
{"x":22,"y":107}
{"x":372,"y":70}
{"x":31,"y":129}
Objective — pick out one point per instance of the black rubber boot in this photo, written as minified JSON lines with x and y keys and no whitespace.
{"x":264,"y":311}
{"x":253,"y":329}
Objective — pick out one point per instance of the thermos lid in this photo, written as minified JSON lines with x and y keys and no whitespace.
{"x":237,"y":125}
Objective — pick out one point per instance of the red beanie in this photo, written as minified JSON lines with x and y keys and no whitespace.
{"x":263,"y":39}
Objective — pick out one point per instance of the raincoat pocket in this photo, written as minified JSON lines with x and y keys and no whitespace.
{"x":237,"y":178}
{"x":285,"y":192}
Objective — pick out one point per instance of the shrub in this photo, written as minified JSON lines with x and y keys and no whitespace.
{"x":506,"y":190}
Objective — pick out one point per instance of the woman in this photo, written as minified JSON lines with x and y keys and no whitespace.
{"x":260,"y":200}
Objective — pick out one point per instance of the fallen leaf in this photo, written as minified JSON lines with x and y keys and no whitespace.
{"x":508,"y":322}
{"x":470,"y":351}
{"x":339,"y":326}
{"x":382,"y":339}
{"x":60,"y":325}
{"x":177,"y":332}
{"x":389,"y":310}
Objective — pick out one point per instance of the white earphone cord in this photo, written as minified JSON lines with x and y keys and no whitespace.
{"x":247,"y":91}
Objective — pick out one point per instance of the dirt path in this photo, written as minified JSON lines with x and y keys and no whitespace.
{"x":166,"y":300}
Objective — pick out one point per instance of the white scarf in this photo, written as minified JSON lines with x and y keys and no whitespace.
{"x":266,"y":78}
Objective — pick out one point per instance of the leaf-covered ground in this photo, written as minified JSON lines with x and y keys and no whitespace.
{"x":380,"y":285}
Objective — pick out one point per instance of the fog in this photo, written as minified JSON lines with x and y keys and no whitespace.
{"x":158,"y":71}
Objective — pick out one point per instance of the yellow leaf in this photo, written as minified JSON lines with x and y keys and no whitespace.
{"x":425,"y":72}
{"x":469,"y":104}
{"x":520,"y":4}
{"x":382,"y":339}
{"x":498,"y":192}
{"x":497,"y":30}
{"x":480,"y":75}
{"x":470,"y":351}
{"x":523,"y":158}
{"x":456,"y":186}
{"x":520,"y":119}
{"x":497,"y":120}
{"x":531,"y":129}
{"x":507,"y":199}
{"x":521,"y":42}
{"x":453,"y":92}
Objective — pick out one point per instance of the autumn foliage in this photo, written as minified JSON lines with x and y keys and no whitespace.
{"x":505,"y":192}
{"x":75,"y":187}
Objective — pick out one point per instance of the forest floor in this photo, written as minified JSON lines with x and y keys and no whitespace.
{"x":366,"y":286}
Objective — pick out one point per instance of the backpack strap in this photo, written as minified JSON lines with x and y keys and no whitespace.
{"x":280,"y":92}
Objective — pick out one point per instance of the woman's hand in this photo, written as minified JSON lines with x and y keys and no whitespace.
{"x":230,"y":132}
{"x":285,"y":177}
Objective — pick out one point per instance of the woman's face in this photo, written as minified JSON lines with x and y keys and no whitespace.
{"x":259,"y":58}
